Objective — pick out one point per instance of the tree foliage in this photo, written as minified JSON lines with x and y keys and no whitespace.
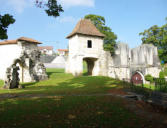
{"x":51,"y":7}
{"x":110,"y":37}
{"x":158,"y":37}
{"x":5,"y":21}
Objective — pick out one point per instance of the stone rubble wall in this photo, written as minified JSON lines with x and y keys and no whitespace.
{"x":122,"y":55}
{"x":145,"y":54}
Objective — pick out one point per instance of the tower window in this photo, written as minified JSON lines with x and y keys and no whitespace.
{"x":89,"y":44}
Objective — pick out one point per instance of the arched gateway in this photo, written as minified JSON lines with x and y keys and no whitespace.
{"x":85,"y":44}
{"x":90,"y":64}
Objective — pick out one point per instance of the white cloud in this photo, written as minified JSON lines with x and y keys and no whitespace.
{"x":20,"y":5}
{"x":17,"y":5}
{"x":61,"y":21}
{"x":67,"y":19}
{"x":71,"y":3}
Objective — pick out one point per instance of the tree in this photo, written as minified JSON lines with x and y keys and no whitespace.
{"x":51,"y":8}
{"x":158,"y":37}
{"x":110,"y":37}
{"x":5,"y":21}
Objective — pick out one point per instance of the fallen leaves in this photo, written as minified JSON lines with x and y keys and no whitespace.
{"x":100,"y":113}
{"x":71,"y":116}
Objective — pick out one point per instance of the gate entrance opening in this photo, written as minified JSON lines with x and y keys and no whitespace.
{"x":88,"y":65}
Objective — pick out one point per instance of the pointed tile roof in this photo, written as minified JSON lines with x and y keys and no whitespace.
{"x":20,"y":39}
{"x":86,"y":27}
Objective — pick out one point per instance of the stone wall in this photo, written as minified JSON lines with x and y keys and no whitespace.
{"x":145,"y":54}
{"x":122,"y":55}
{"x":26,"y":57}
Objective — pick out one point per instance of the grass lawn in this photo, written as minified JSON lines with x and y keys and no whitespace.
{"x":1,"y":83}
{"x":61,"y":83}
{"x":149,"y":86}
{"x":69,"y":111}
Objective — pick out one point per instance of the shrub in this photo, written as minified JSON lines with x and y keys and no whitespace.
{"x":161,"y":75}
{"x":149,"y":78}
{"x":165,"y":71}
{"x":160,"y":84}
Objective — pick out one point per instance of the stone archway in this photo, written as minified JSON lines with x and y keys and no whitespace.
{"x":90,"y":64}
{"x":137,"y":78}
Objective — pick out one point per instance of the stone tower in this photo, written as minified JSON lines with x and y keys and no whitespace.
{"x":85,"y":43}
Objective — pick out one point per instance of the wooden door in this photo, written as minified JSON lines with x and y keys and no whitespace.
{"x":137,"y":78}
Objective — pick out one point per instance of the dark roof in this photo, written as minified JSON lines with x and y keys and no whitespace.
{"x":20,"y":39}
{"x":86,"y":27}
{"x":45,"y":47}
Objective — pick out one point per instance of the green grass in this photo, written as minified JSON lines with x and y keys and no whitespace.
{"x":149,"y":86}
{"x":85,"y":70}
{"x":67,"y":112}
{"x":1,"y":83}
{"x":61,"y":83}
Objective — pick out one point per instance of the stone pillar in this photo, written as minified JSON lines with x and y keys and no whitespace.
{"x":8,"y":79}
{"x":15,"y":77}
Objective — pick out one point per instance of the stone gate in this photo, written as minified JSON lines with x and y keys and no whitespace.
{"x":86,"y":43}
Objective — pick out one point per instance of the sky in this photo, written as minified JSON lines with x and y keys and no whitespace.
{"x":126,"y":18}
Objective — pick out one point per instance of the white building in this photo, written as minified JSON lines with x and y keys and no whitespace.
{"x":62,"y":52}
{"x":22,"y":52}
{"x":86,"y":43}
{"x":46,"y":50}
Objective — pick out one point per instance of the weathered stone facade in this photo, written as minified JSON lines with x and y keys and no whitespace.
{"x":126,"y":62}
{"x":24,"y":56}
